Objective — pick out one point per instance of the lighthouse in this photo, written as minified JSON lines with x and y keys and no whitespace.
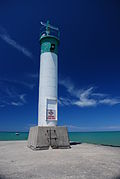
{"x":47,"y":134}
{"x":48,"y":81}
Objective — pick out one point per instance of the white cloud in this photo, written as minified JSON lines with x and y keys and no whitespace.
{"x":13,"y":92}
{"x":84,"y":97}
{"x":81,"y":96}
{"x":99,"y":94}
{"x":110,"y":101}
{"x":6,"y":37}
{"x":68,"y":85}
{"x":64,"y":101}
{"x":18,"y":82}
{"x":92,"y":128}
{"x":16,"y":103}
{"x":85,"y":103}
{"x":22,"y":97}
{"x":9,"y":96}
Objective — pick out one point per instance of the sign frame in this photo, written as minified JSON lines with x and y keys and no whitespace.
{"x":54,"y":110}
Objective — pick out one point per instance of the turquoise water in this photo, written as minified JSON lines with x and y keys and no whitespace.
{"x":12,"y":136}
{"x":106,"y":138}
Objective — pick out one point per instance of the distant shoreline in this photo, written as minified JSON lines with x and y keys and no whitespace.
{"x":99,"y":138}
{"x":68,"y":131}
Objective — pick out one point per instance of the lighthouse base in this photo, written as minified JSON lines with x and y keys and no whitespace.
{"x":41,"y":138}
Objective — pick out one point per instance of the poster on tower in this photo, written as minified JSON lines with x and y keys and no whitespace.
{"x":51,"y":109}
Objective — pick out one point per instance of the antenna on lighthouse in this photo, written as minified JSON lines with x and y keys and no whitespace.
{"x":49,"y":26}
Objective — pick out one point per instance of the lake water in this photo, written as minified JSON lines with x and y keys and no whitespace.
{"x":106,"y":138}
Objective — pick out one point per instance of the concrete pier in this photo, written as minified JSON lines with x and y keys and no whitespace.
{"x":83,"y":161}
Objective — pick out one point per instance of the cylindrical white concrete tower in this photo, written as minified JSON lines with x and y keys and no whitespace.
{"x":48,"y":81}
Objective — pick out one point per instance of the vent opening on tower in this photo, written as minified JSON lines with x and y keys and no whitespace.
{"x":52,"y":48}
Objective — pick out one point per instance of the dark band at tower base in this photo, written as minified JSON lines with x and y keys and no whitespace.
{"x":41,"y":138}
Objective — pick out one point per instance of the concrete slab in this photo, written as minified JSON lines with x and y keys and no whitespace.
{"x":83,"y":161}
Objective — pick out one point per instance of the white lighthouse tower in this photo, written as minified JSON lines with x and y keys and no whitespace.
{"x":47,"y":133}
{"x":48,"y":81}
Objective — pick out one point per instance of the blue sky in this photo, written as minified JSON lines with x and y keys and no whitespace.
{"x":89,"y":63}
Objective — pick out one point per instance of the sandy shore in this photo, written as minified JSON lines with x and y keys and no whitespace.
{"x":81,"y":161}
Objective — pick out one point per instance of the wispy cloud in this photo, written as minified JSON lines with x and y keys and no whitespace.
{"x":64,"y":101}
{"x":6,"y":37}
{"x":14,"y":92}
{"x":33,"y":75}
{"x":10,"y":97}
{"x":90,"y":129}
{"x":85,"y":97}
{"x":110,"y":101}
{"x":18,"y":82}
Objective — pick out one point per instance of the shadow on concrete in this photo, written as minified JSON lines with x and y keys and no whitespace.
{"x":75,"y":143}
{"x":117,"y":177}
{"x":2,"y":177}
